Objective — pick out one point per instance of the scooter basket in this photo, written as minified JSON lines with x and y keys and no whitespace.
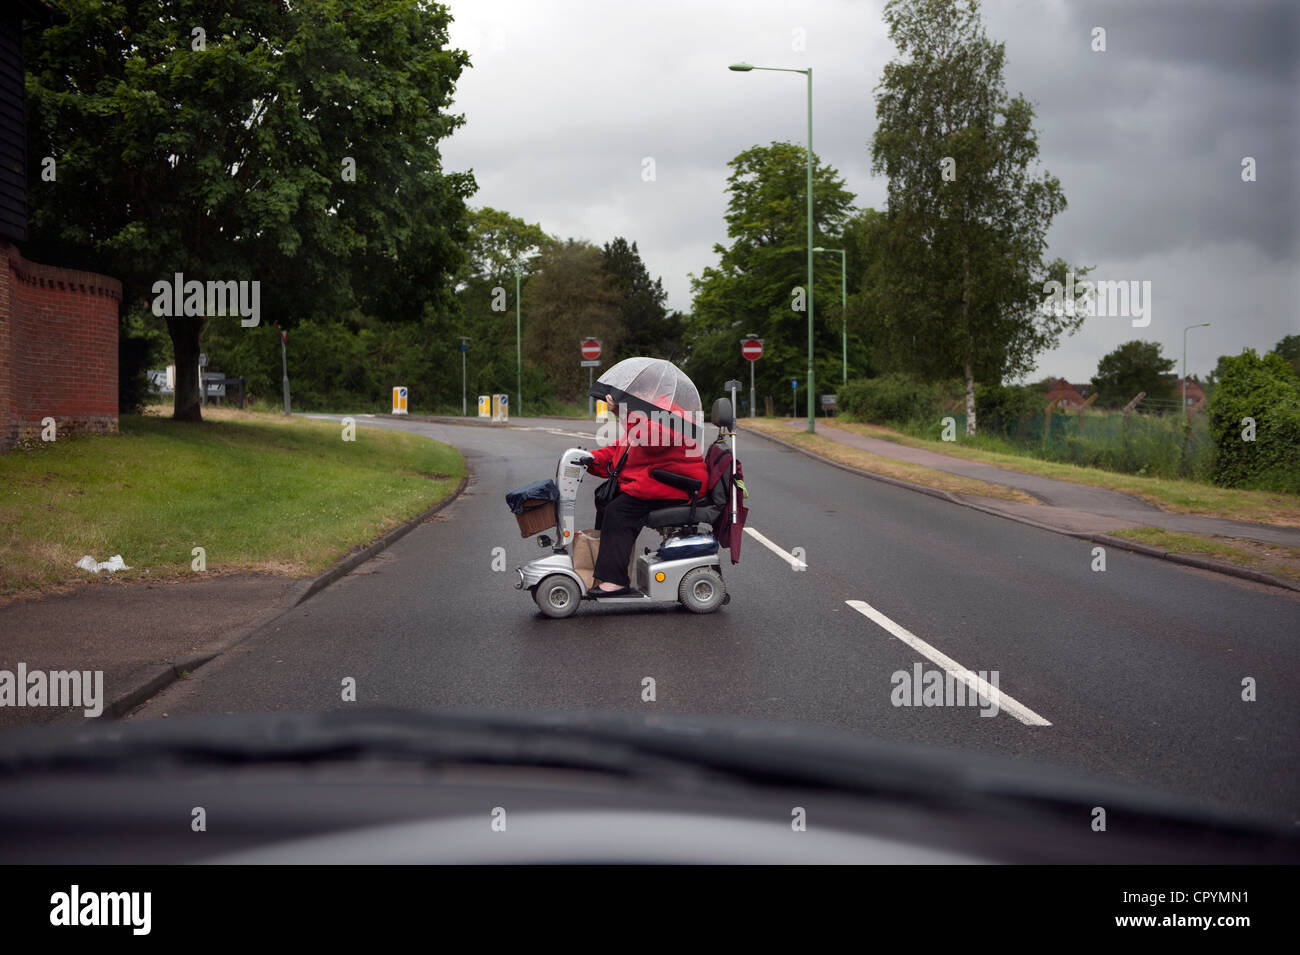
{"x":536,"y":518}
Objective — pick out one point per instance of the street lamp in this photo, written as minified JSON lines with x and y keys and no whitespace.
{"x":745,"y":68}
{"x":1185,"y":331}
{"x":844,"y":307}
{"x":464,"y":347}
{"x":519,"y":338}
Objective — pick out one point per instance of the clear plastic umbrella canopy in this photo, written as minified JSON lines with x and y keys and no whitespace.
{"x":657,"y":388}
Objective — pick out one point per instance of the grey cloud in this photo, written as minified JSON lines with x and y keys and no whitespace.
{"x":566,"y":98}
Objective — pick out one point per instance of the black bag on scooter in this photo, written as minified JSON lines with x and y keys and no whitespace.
{"x":608,"y":489}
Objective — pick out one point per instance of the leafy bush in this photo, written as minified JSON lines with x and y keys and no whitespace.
{"x":1266,"y":390}
{"x":893,"y":398}
{"x":999,"y":407}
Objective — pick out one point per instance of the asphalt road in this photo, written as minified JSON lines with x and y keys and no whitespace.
{"x":1133,"y":673}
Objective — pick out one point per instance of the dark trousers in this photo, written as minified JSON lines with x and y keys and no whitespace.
{"x":620,"y":524}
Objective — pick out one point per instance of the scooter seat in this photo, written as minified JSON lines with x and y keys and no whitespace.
{"x":706,"y":512}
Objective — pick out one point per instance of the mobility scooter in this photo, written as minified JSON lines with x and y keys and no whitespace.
{"x":685,"y":567}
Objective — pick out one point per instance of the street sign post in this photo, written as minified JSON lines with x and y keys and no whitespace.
{"x":751,"y":347}
{"x":590,"y":360}
{"x":794,"y":397}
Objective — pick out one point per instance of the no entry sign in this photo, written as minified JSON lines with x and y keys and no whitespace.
{"x":751,"y":348}
{"x":590,"y":349}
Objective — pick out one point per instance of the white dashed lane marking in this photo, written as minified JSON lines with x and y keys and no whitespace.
{"x":959,"y":672}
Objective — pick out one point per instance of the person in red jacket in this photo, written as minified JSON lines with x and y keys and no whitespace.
{"x":648,"y":445}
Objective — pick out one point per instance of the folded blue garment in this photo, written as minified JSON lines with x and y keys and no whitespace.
{"x":537,"y":491}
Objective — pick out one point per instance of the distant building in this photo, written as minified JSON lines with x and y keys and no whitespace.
{"x":1195,"y":394}
{"x":1072,"y":396}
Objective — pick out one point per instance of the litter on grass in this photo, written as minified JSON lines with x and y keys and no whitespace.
{"x":113,"y":563}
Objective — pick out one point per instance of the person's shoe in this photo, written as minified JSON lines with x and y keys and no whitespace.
{"x":597,"y":592}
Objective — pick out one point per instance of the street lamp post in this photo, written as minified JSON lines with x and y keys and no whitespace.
{"x":519,"y":339}
{"x":1186,"y":414}
{"x":745,"y":68}
{"x":464,"y":347}
{"x":844,"y":308}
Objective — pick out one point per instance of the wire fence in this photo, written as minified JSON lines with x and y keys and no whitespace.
{"x":1160,"y":445}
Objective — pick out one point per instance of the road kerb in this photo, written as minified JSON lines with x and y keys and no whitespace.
{"x":348,"y":564}
{"x":167,"y":674}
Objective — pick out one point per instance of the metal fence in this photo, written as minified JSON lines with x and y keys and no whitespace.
{"x":1163,"y":445}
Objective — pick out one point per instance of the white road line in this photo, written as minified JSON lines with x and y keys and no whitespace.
{"x":959,"y":672}
{"x":789,"y":558}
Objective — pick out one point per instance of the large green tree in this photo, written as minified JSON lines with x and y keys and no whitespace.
{"x":964,"y":262}
{"x":649,"y":328}
{"x":1289,"y":349}
{"x":293,"y":144}
{"x":497,"y":241}
{"x":1131,"y":368}
{"x":571,"y":296}
{"x":870,"y":324}
{"x":760,"y":283}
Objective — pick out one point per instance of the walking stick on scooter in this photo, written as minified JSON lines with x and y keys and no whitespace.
{"x":732,"y":386}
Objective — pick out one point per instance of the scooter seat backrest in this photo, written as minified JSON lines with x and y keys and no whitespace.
{"x":722,"y":414}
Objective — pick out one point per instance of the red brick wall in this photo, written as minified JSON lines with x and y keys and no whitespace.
{"x":58,"y":349}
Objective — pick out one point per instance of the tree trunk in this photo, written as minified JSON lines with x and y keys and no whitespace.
{"x":970,"y":398}
{"x":965,"y":324}
{"x":185,"y":348}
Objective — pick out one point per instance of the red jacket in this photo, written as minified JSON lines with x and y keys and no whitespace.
{"x":650,"y":447}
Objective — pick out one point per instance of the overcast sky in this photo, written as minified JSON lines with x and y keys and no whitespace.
{"x":565,"y":99}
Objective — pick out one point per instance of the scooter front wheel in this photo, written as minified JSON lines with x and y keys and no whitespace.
{"x":557,"y":596}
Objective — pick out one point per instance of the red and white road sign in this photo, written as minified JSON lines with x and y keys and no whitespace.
{"x":590,"y":349}
{"x":751,"y":348}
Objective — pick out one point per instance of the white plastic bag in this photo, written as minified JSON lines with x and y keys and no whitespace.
{"x":113,"y":563}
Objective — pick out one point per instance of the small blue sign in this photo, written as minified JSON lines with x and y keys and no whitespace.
{"x":794,"y":383}
{"x":464,"y":347}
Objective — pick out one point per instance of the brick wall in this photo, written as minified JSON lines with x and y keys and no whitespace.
{"x":58,"y":349}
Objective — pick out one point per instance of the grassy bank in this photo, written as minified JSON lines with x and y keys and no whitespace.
{"x":878,"y":464}
{"x":256,"y":491}
{"x":1266,"y":558}
{"x":1170,"y":494}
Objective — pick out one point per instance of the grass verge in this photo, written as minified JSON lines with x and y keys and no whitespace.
{"x":877,"y":464}
{"x":1175,"y":496}
{"x":257,"y":492}
{"x":1266,"y":558}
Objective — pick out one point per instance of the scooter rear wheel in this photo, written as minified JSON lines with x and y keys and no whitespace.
{"x":702,"y":590}
{"x":557,"y":596}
